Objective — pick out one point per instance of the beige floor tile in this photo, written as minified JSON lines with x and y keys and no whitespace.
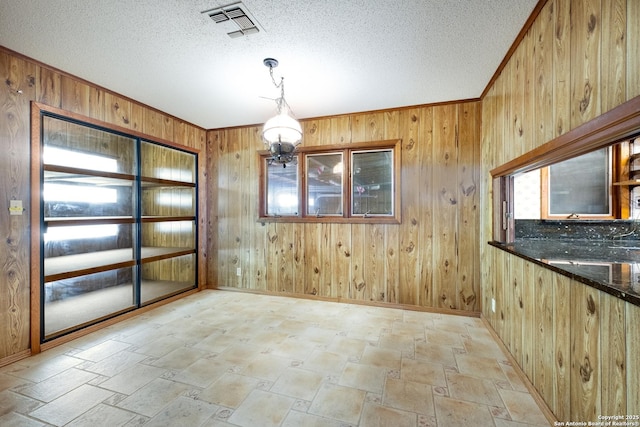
{"x":294,"y":348}
{"x":102,"y":350}
{"x":216,"y":343}
{"x":71,"y":405}
{"x":522,"y":407}
{"x":318,"y":336}
{"x":14,"y":402}
{"x":266,"y":367}
{"x":183,"y":411}
{"x":298,"y":383}
{"x":455,"y":324}
{"x":514,"y":379}
{"x":408,"y":396}
{"x":151,"y":398}
{"x":457,"y":413}
{"x":473,"y":389}
{"x":134,"y":378}
{"x":436,"y":336}
{"x":381,"y":357}
{"x":262,"y":408}
{"x":13,"y":419}
{"x":408,"y":329}
{"x":480,"y":367}
{"x":350,"y":347}
{"x":224,"y":359}
{"x":9,"y":381}
{"x":435,"y":353}
{"x":483,"y":348}
{"x":116,"y":363}
{"x":267,"y":338}
{"x":159,"y":347}
{"x":405,"y":344}
{"x":339,"y":403}
{"x":367,"y":333}
{"x":423,"y":372}
{"x":56,"y":386}
{"x":363,"y":377}
{"x":44,"y":369}
{"x":378,"y":416}
{"x":299,"y":419}
{"x":229,"y":390}
{"x":203,"y":372}
{"x":326,"y":362}
{"x":102,"y":415}
{"x":180,"y":358}
{"x":240,"y":354}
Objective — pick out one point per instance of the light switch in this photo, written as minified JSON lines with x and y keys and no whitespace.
{"x":15,"y":207}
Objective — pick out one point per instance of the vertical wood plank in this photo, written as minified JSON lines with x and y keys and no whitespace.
{"x":562,"y":67}
{"x":614,"y":48}
{"x":313,"y":257}
{"x":633,"y":49}
{"x":531,"y":303}
{"x":542,"y":345}
{"x":48,"y":90}
{"x":409,"y":237}
{"x":468,"y":199}
{"x":445,"y":244}
{"x":357,"y":287}
{"x":632,"y":320}
{"x":19,"y":79}
{"x":586,"y":23}
{"x":585,"y":352}
{"x":562,"y":377}
{"x":340,"y":260}
{"x":514,"y":307}
{"x":425,"y":207}
{"x":80,"y":97}
{"x":117,"y":110}
{"x":613,"y":355}
{"x":374,"y":263}
{"x":211,"y":201}
{"x":543,"y":72}
{"x":516,"y":107}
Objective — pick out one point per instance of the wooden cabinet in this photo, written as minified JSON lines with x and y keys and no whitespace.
{"x":118,"y":222}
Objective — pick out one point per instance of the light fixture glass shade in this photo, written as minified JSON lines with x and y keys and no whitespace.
{"x":282,"y":128}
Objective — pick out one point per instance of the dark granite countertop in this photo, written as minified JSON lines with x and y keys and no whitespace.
{"x":612,"y":266}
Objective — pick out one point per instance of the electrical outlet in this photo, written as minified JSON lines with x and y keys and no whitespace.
{"x":493,"y":305}
{"x":238,"y":271}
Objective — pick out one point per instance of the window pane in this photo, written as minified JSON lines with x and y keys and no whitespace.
{"x":282,"y":189}
{"x":324,"y":184}
{"x":372,"y":192}
{"x":581,"y":185}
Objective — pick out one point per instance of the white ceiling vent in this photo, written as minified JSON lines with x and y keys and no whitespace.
{"x":235,"y":18}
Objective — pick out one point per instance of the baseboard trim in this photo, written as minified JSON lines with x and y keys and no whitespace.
{"x":436,"y":310}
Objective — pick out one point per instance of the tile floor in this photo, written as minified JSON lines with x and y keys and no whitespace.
{"x":221,"y":358}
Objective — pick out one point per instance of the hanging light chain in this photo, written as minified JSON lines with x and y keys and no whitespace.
{"x":280,"y":102}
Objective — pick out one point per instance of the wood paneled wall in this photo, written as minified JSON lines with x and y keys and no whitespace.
{"x":23,"y":81}
{"x":431,"y":259}
{"x":579,"y":346}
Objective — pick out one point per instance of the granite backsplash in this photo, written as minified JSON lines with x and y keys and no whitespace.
{"x":574,"y":229}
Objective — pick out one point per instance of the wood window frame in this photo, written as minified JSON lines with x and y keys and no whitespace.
{"x":347,"y":216}
{"x":622,"y":123}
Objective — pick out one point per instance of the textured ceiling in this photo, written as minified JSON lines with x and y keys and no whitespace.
{"x":336,"y":56}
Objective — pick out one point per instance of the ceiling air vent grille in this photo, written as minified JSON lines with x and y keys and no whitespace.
{"x":236,"y":17}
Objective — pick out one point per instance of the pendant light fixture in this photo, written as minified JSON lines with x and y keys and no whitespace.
{"x":282,"y":133}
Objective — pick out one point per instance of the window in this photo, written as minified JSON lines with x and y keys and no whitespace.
{"x":357,"y":183}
